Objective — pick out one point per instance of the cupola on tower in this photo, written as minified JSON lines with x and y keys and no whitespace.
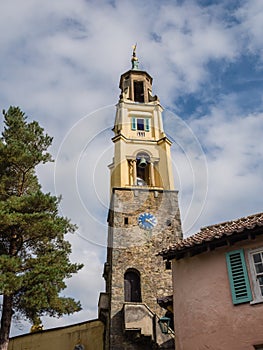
{"x":143,"y":218}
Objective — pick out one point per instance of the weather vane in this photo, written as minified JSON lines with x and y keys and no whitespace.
{"x":134,"y":60}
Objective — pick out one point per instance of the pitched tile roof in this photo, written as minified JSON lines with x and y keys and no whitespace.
{"x":214,"y":233}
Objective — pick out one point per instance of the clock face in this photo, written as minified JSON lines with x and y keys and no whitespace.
{"x":147,"y":221}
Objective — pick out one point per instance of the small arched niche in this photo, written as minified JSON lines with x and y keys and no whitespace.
{"x":132,"y":286}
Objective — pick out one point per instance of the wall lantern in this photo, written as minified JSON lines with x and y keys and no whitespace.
{"x":79,"y":347}
{"x":164,"y":323}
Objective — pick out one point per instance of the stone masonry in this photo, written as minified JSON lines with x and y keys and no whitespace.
{"x":130,"y":246}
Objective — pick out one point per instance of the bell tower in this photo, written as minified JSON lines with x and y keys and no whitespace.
{"x":143,"y":218}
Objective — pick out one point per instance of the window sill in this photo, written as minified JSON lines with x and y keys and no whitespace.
{"x":256,"y":301}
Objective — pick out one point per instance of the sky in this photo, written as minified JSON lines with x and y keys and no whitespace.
{"x":61,"y":63}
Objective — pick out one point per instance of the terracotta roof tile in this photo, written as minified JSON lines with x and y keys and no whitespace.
{"x":215,"y":232}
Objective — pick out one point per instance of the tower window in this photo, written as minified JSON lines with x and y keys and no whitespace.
{"x":141,"y":124}
{"x":168,"y":222}
{"x":138,"y":91}
{"x":132,"y":286}
{"x":168,"y":265}
{"x":126,"y":220}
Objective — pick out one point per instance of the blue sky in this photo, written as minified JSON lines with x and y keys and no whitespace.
{"x":61,"y":63}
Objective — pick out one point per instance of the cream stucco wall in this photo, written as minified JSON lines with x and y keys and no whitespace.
{"x":205,"y":317}
{"x":129,"y":143}
{"x":89,"y":334}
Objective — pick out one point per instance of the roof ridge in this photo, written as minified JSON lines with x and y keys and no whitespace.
{"x":215,"y":232}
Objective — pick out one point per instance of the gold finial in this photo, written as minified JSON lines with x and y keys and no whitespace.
{"x":134,"y":60}
{"x":134,"y":50}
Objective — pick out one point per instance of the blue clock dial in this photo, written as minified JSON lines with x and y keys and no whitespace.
{"x":147,"y":221}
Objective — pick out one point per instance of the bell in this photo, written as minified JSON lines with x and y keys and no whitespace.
{"x":142,"y":163}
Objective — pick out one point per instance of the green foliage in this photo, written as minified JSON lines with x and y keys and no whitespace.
{"x":34,"y":255}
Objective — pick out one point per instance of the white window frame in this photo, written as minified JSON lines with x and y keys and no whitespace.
{"x":257,"y":296}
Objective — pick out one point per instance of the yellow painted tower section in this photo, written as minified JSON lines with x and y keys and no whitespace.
{"x":142,"y":150}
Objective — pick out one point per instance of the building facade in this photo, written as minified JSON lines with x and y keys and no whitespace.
{"x":143,"y":219}
{"x":82,"y":336}
{"x":219,"y":277}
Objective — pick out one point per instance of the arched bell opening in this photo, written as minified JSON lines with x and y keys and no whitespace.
{"x":132,"y":286}
{"x":143,"y":169}
{"x":138,"y":88}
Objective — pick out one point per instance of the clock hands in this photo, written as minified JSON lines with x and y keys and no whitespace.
{"x":150,"y":221}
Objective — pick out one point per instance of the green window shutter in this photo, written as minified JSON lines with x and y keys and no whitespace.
{"x":133,"y":125}
{"x":238,"y":277}
{"x":147,"y":124}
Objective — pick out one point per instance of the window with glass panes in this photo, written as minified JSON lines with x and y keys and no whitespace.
{"x":256,"y":272}
{"x":140,"y":124}
{"x":258,"y":265}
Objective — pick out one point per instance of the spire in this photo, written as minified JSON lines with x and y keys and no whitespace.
{"x":134,"y":59}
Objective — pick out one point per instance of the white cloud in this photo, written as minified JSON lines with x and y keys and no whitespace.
{"x":189,"y":38}
{"x":251,"y":17}
{"x":234,"y":156}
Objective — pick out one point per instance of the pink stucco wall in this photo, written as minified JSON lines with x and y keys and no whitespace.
{"x":205,"y":317}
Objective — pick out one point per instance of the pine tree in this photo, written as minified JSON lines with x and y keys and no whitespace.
{"x":34,"y":255}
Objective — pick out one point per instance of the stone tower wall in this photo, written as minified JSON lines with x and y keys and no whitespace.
{"x":130,"y":246}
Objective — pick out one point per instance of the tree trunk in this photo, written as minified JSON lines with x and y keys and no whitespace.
{"x":6,"y":321}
